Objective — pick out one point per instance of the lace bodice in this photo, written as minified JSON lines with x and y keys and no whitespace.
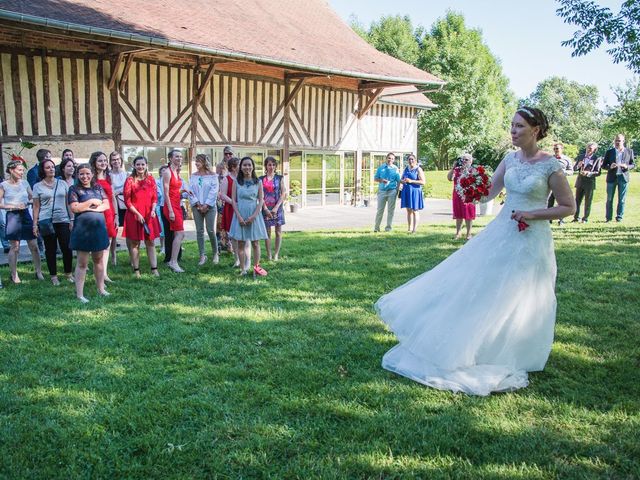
{"x":527,"y":184}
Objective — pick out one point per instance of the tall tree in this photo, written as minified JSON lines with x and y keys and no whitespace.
{"x":600,"y":25}
{"x":394,"y":35}
{"x":625,"y":117}
{"x":572,"y":109}
{"x":475,"y":106}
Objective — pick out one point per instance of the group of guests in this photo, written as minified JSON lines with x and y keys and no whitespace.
{"x":80,"y":208}
{"x":409,"y":187}
{"x":617,"y":161}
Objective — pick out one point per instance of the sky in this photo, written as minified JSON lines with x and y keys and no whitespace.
{"x":525,"y":36}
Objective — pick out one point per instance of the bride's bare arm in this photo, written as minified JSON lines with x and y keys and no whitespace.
{"x":497,"y":183}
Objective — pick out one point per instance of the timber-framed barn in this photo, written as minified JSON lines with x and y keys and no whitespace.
{"x":285,"y":78}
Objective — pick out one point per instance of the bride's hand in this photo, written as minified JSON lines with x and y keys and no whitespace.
{"x":520,"y":215}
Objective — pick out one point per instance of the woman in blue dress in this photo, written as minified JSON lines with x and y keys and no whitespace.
{"x":248,"y":224}
{"x":87,"y":200}
{"x":411,"y":195}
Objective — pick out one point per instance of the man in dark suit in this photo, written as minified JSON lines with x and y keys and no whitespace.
{"x":618,"y":161}
{"x":588,"y":168}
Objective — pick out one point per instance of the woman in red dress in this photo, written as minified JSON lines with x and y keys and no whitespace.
{"x":226,"y":187}
{"x":172,"y":186}
{"x":100,"y":169}
{"x":140,"y":221}
{"x":461,"y":211}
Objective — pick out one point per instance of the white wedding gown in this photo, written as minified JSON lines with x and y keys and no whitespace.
{"x":484,"y":317}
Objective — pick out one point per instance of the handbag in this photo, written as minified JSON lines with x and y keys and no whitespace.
{"x":46,"y":226}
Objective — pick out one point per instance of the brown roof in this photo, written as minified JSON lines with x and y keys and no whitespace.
{"x":295,"y":34}
{"x":406,"y":95}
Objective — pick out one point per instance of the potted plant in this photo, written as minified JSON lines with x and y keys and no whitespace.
{"x":295,"y":191}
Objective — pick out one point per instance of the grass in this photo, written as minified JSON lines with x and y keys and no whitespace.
{"x":207,"y":375}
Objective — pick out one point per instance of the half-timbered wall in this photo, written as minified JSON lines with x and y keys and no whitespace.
{"x":156,"y":107}
{"x":54,"y":98}
{"x":57,"y":98}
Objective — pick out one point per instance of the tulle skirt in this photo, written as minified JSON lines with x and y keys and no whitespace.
{"x":481,"y":319}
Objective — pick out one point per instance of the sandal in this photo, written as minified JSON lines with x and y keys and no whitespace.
{"x":259,"y":271}
{"x":136,"y":272}
{"x":154,"y":271}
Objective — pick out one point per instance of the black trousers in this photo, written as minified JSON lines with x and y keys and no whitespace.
{"x":168,"y":239}
{"x":51,"y":243}
{"x":552,"y":200}
{"x":586,"y":194}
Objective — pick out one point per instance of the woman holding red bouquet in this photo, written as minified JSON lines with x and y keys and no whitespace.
{"x":504,"y":328}
{"x":462,"y":211}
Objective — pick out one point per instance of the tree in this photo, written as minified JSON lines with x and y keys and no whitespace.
{"x":475,"y":107}
{"x":600,"y":25}
{"x":394,"y":35}
{"x":571,"y":108}
{"x":625,"y":117}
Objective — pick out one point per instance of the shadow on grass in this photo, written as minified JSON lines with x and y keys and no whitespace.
{"x":281,"y":376}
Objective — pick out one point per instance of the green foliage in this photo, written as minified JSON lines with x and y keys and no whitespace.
{"x":394,"y":35}
{"x":357,"y":27}
{"x":476,"y":105}
{"x":599,"y":25}
{"x":572,"y":109}
{"x":207,"y":375}
{"x":571,"y":150}
{"x":625,"y":117}
{"x":295,"y":189}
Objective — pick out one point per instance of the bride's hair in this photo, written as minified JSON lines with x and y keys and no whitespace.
{"x":536,"y":118}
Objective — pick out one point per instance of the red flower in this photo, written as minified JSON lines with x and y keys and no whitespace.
{"x":522,"y":226}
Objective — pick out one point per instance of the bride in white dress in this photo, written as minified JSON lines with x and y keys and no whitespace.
{"x":485,"y":316}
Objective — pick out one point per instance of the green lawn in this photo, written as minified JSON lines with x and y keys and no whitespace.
{"x":207,"y":375}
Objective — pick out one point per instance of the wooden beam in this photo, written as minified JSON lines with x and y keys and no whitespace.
{"x":290,"y":95}
{"x":301,"y":75}
{"x":370,"y":101}
{"x":205,"y":82}
{"x":125,"y":73}
{"x":114,"y":70}
{"x":375,"y":85}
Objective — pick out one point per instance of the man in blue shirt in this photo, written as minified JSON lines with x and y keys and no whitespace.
{"x":388,"y":178}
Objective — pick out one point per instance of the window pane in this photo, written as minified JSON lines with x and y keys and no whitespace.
{"x":130,"y":153}
{"x":332,"y":162}
{"x":295,"y":161}
{"x":314,"y":161}
{"x":157,"y":158}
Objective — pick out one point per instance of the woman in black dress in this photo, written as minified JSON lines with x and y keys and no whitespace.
{"x":87,"y":201}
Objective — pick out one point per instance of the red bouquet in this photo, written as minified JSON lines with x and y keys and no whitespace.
{"x":474,"y":183}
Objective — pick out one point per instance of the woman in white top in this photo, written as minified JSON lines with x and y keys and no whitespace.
{"x":118,"y":176}
{"x":15,"y":196}
{"x":51,"y":219}
{"x":203,"y":194}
